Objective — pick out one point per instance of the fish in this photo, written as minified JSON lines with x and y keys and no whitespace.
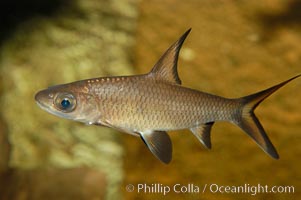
{"x":151,"y":104}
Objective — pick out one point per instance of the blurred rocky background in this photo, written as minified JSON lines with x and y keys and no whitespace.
{"x":235,"y":48}
{"x":50,"y":42}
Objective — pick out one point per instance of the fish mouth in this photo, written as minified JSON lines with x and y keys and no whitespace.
{"x":44,"y":100}
{"x":42,"y":106}
{"x":39,"y":98}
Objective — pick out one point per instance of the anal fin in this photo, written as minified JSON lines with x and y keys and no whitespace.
{"x":202,"y":132}
{"x":159,"y":143}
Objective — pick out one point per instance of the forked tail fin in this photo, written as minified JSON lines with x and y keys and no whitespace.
{"x":249,"y":122}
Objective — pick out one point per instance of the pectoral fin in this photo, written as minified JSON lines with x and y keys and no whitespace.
{"x":202,"y":132}
{"x":159,"y":144}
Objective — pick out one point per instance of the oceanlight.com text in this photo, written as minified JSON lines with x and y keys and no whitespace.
{"x":250,"y":189}
{"x":190,"y":188}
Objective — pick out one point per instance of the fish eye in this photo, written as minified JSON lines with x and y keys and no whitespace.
{"x":65,"y":102}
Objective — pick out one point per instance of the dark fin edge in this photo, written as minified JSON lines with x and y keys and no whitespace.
{"x":166,"y":66}
{"x":159,"y":143}
{"x":202,"y":132}
{"x":249,"y":122}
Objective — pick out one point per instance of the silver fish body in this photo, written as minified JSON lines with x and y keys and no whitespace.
{"x":139,"y":103}
{"x":149,"y":105}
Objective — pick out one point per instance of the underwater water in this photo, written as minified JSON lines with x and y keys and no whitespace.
{"x":235,"y":48}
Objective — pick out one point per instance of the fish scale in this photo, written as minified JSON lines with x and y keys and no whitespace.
{"x":148,"y":105}
{"x":159,"y":106}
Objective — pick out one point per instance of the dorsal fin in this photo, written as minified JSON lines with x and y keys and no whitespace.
{"x":166,"y":67}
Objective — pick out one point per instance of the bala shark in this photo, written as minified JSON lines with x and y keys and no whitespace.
{"x":151,"y":104}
